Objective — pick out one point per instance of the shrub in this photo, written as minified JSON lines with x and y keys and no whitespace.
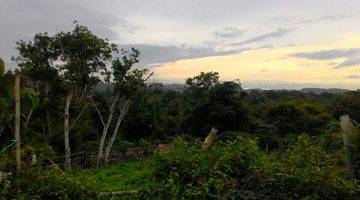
{"x":238,"y":169}
{"x":306,"y":170}
{"x":38,"y":181}
{"x":49,"y":184}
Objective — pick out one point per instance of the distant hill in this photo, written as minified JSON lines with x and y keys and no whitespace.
{"x":322,"y":90}
{"x":181,"y":87}
{"x":173,"y":86}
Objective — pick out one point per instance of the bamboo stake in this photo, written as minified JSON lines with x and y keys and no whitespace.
{"x":17,"y":121}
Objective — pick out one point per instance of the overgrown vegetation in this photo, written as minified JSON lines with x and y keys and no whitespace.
{"x":238,"y":169}
{"x":81,"y":93}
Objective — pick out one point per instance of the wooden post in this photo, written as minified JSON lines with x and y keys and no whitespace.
{"x":17,"y":121}
{"x":209,"y":139}
{"x":346,"y":127}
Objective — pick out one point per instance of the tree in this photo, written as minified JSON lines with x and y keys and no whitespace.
{"x":157,"y":115}
{"x":36,"y":60}
{"x":82,"y":55}
{"x":7,"y":82}
{"x":293,"y":117}
{"x":2,"y":67}
{"x":29,"y":102}
{"x":347,"y":104}
{"x":200,"y":84}
{"x":125,"y":83}
{"x":211,"y":103}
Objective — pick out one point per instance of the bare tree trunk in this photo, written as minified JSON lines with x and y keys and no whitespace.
{"x":49,"y":126}
{"x":123,"y":112}
{"x":49,"y":132}
{"x":66,"y":132}
{"x":105,"y":130}
{"x":28,"y":117}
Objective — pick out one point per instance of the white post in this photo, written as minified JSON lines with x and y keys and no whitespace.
{"x":346,"y":127}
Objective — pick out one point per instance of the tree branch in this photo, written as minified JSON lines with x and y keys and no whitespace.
{"x":150,"y":75}
{"x":98,"y":111}
{"x":78,"y":117}
{"x":28,"y":118}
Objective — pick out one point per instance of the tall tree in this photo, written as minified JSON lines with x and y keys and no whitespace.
{"x":82,"y":56}
{"x":36,"y":60}
{"x":123,"y":82}
{"x":212,"y":103}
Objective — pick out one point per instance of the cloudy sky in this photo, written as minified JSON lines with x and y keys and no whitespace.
{"x":263,"y":43}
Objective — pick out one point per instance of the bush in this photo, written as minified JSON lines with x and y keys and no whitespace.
{"x":306,"y":170}
{"x":38,"y":181}
{"x":49,"y":184}
{"x":354,"y":150}
{"x":238,"y":169}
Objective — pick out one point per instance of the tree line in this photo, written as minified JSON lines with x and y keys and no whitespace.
{"x":80,"y":91}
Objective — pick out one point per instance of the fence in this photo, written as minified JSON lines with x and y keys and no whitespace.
{"x":87,"y":159}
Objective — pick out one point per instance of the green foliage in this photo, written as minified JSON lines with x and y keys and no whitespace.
{"x":210,"y":103}
{"x":354,"y":150}
{"x":39,"y":184}
{"x":289,"y":116}
{"x":306,"y":170}
{"x":121,"y":176}
{"x":2,"y":67}
{"x":231,"y":169}
{"x":32,"y":95}
{"x":38,"y":181}
{"x":239,"y":170}
{"x":155,"y":115}
{"x":295,"y":166}
{"x":121,"y":66}
{"x":83,"y":54}
{"x":191,"y":174}
{"x":6,"y":148}
{"x":347,"y":104}
{"x":204,"y":80}
{"x":36,"y":58}
{"x":7,"y":160}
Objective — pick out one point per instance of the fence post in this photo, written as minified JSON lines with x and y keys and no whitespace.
{"x":17,"y":121}
{"x":209,"y":139}
{"x":346,"y":128}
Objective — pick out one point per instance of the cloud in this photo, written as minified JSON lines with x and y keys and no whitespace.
{"x":153,"y":55}
{"x":351,"y":61}
{"x":327,"y":54}
{"x":229,"y":32}
{"x":275,"y":34}
{"x":353,"y":77}
{"x":325,"y":18}
{"x":352,"y":56}
{"x":22,"y":19}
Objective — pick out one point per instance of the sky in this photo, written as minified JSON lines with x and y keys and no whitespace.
{"x":271,"y":44}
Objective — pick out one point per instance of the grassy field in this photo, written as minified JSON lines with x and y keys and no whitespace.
{"x":121,"y":176}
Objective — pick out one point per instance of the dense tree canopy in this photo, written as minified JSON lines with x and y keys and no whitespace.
{"x":349,"y":103}
{"x":292,"y":117}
